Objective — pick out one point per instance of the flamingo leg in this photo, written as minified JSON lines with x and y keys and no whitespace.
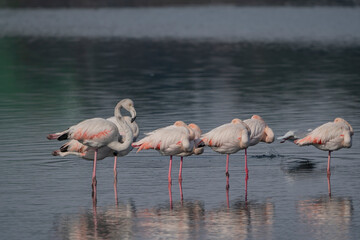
{"x":181,"y":192}
{"x":246,"y":187}
{"x":328,"y":166}
{"x":227,"y":165}
{"x":94,"y":174}
{"x":329,"y":185}
{"x":170,"y":196}
{"x":115,"y":171}
{"x":246,"y":167}
{"x":180,"y":170}
{"x":227,"y":198}
{"x":170,"y":165}
{"x":227,"y":173}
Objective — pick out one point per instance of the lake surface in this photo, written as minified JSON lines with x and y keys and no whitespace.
{"x":296,"y":67}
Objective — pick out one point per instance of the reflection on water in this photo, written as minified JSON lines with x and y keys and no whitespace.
{"x":183,"y":219}
{"x":116,"y":222}
{"x":243,"y":220}
{"x":326,"y":218}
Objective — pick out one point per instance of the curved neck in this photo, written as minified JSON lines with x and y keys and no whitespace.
{"x":118,"y":146}
{"x":117,"y":113}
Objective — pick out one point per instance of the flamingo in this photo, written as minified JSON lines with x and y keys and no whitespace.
{"x":227,"y":139}
{"x":198,"y":147}
{"x":74,"y":147}
{"x":329,"y":137}
{"x":98,"y":132}
{"x":169,"y":141}
{"x":260,"y":132}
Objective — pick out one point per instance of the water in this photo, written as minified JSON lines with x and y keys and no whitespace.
{"x":53,"y":77}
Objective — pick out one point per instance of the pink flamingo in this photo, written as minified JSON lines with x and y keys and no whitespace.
{"x":260,"y":132}
{"x":330,"y":137}
{"x":198,"y":147}
{"x":74,"y":147}
{"x":227,"y":139}
{"x":98,"y":132}
{"x":169,"y":141}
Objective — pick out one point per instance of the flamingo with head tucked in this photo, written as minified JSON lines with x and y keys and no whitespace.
{"x":260,"y":132}
{"x":98,"y":132}
{"x":169,"y":141}
{"x":329,"y":137}
{"x":227,"y":139}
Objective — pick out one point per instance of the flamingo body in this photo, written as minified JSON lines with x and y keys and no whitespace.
{"x":74,"y":147}
{"x":330,"y":136}
{"x":228,"y":138}
{"x":169,"y":141}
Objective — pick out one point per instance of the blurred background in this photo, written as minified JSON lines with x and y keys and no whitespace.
{"x":295,"y":63}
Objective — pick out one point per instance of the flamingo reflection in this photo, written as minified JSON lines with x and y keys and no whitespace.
{"x":182,"y":220}
{"x":241,"y":220}
{"x":115,"y":222}
{"x":326,"y":217}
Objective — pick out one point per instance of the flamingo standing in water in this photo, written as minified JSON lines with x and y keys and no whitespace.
{"x":330,"y":137}
{"x":74,"y":147}
{"x":260,"y":132}
{"x":227,"y":139}
{"x":98,"y":132}
{"x":169,"y":141}
{"x":198,"y":147}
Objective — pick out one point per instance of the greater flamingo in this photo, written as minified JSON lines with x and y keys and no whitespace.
{"x":260,"y":132}
{"x":198,"y":147}
{"x":169,"y":141}
{"x":99,"y":132}
{"x":74,"y":147}
{"x":329,"y":137}
{"x":227,"y":139}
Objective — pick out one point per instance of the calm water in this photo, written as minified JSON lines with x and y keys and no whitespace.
{"x":296,"y":71}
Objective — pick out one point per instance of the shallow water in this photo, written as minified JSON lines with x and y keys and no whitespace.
{"x":51,"y":81}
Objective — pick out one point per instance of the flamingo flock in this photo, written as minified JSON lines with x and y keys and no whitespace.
{"x":98,"y":138}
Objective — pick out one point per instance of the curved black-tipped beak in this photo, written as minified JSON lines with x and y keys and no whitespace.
{"x":133,"y":119}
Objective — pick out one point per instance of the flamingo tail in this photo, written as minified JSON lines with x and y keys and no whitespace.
{"x":59,"y":136}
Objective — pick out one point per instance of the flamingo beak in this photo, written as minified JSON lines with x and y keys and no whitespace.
{"x":133,"y":114}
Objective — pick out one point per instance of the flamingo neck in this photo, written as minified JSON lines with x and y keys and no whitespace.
{"x":117,"y":146}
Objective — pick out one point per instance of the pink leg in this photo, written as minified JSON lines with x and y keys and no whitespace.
{"x":329,"y":185}
{"x":115,"y":192}
{"x":170,"y":165}
{"x":115,"y":172}
{"x":328,"y":166}
{"x":246,"y":167}
{"x":180,"y":171}
{"x":170,"y":196}
{"x":227,"y":198}
{"x":94,"y":172}
{"x":227,"y":165}
{"x":181,"y":192}
{"x":246,"y":185}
